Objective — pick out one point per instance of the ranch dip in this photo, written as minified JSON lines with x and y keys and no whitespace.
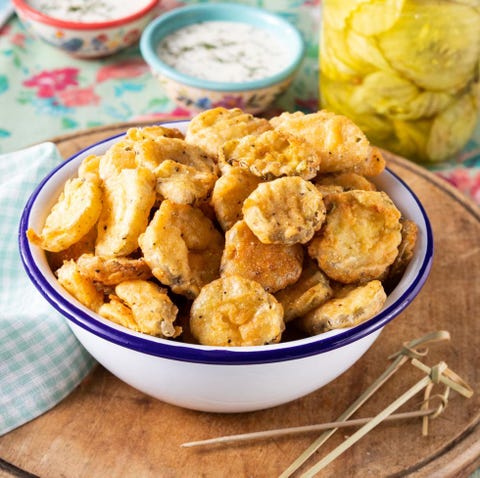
{"x":88,"y":10}
{"x":224,"y":51}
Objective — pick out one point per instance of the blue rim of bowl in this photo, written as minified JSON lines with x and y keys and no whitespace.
{"x":188,"y":15}
{"x":207,"y":354}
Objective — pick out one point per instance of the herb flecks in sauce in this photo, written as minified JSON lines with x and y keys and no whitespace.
{"x":224,"y":51}
{"x":87,"y":10}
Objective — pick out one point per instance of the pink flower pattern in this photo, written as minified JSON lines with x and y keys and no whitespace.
{"x":48,"y":83}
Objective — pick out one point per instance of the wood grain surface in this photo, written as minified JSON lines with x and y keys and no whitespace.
{"x":105,"y":428}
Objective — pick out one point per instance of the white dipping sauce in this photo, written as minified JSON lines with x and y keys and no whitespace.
{"x":224,"y":51}
{"x":88,"y":10}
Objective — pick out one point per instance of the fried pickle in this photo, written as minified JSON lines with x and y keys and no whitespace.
{"x":287,"y":210}
{"x":211,"y":128}
{"x":153,"y":311}
{"x":274,"y":266}
{"x":229,"y":193}
{"x":272,"y":154}
{"x":128,"y":199}
{"x":311,"y":290}
{"x":352,"y":307}
{"x":360,"y":237}
{"x":112,"y":270}
{"x":72,"y":216}
{"x":82,"y":288}
{"x":338,"y":141}
{"x":182,"y":247}
{"x":235,"y":311}
{"x":152,"y":132}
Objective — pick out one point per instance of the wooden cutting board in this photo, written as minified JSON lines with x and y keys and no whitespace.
{"x":106,"y":428}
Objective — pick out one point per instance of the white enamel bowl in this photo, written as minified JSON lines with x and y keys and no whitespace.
{"x":219,"y":379}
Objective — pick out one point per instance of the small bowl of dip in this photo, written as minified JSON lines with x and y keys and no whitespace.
{"x":229,"y":55}
{"x":86,"y":28}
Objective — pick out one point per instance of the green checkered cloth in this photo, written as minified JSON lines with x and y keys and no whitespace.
{"x":41,"y":361}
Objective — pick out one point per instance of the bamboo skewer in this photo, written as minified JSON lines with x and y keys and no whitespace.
{"x":401,"y":357}
{"x":303,"y":429}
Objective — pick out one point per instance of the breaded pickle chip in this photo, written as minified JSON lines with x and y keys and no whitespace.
{"x":274,"y":266}
{"x":352,"y":307}
{"x":147,"y":308}
{"x":311,"y":290}
{"x":182,"y":247}
{"x":80,"y":287}
{"x":184,"y":172}
{"x":338,"y":141}
{"x":360,"y":237}
{"x":119,"y":156}
{"x":406,"y":251}
{"x":235,"y":311}
{"x":284,"y":211}
{"x":373,"y":165}
{"x":229,"y":192}
{"x":272,"y":154}
{"x":153,"y":132}
{"x":346,"y":181}
{"x":213,"y":127}
{"x":71,"y":217}
{"x":112,"y":270}
{"x":128,"y":199}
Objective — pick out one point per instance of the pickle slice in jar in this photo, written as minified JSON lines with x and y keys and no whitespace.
{"x":331,"y":65}
{"x":452,"y":128}
{"x":410,"y":139}
{"x":338,"y":12}
{"x":384,"y":93}
{"x":375,"y":16}
{"x":366,"y":50}
{"x":436,"y":45}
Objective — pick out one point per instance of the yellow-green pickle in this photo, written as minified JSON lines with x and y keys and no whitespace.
{"x":406,"y":71}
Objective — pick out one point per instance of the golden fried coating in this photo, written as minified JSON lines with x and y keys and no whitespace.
{"x":211,"y":128}
{"x":287,"y":210}
{"x":182,"y":247}
{"x":86,"y":245}
{"x":151,"y":153}
{"x":346,"y":182}
{"x":185,"y":173}
{"x":371,"y":166}
{"x":80,"y":287}
{"x":234,"y":311}
{"x":119,"y":156}
{"x":354,"y":306}
{"x":128,"y":199}
{"x":112,"y":270}
{"x":229,"y":192}
{"x":337,"y":140}
{"x":153,"y":132}
{"x":274,"y":266}
{"x":311,"y":290}
{"x":406,"y":251}
{"x":89,"y":168}
{"x":72,"y":216}
{"x":272,"y":154}
{"x":116,"y":311}
{"x":153,"y":311}
{"x":360,"y":237}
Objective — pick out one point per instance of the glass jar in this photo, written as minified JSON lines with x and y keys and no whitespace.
{"x":406,"y":71}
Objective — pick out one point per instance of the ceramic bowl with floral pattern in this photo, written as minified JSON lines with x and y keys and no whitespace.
{"x":211,"y":85}
{"x":88,"y":29}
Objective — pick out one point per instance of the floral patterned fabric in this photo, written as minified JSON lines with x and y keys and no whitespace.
{"x":45,"y":93}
